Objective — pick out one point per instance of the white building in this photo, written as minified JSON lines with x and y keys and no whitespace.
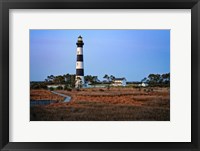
{"x":119,"y":82}
{"x":55,"y":86}
{"x":143,"y":84}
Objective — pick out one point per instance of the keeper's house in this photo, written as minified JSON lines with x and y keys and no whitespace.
{"x":119,"y":82}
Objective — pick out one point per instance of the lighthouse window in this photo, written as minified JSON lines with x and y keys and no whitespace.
{"x":77,"y":64}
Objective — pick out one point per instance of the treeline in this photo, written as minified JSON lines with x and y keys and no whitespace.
{"x":67,"y":79}
{"x":91,"y":79}
{"x":157,"y":80}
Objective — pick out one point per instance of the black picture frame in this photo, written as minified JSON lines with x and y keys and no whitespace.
{"x":5,"y":5}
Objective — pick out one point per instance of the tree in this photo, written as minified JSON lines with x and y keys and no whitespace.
{"x":38,"y":85}
{"x":95,"y":80}
{"x":92,"y":79}
{"x":158,"y":79}
{"x":72,"y":80}
{"x":88,"y":78}
{"x":67,"y":87}
{"x":154,"y":79}
{"x":166,"y":78}
{"x":144,"y":80}
{"x":112,"y":77}
{"x":106,"y":77}
{"x":50,"y":78}
{"x":66,"y":77}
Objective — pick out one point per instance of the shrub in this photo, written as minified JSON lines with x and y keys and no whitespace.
{"x":51,"y":89}
{"x":68,"y":88}
{"x":59,"y":88}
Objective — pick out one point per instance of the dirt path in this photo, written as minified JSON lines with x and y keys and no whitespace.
{"x":67,"y":98}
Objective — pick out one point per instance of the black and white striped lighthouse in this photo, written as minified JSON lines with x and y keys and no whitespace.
{"x":79,"y":64}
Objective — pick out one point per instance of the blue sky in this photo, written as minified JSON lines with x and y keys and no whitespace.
{"x":132,"y":54}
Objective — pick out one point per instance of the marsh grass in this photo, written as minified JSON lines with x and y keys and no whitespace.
{"x":44,"y":95}
{"x":125,"y":104}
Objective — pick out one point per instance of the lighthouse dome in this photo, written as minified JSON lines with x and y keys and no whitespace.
{"x":79,"y":38}
{"x":80,"y":42}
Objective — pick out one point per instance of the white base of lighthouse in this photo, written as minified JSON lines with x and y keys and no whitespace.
{"x":79,"y":82}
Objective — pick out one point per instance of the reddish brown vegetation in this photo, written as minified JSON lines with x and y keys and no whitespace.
{"x":44,"y":95}
{"x":108,"y":105}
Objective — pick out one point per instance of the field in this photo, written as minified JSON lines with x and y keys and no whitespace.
{"x":44,"y":95}
{"x":100,"y":104}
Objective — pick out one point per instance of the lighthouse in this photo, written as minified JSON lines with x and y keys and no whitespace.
{"x":79,"y":64}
